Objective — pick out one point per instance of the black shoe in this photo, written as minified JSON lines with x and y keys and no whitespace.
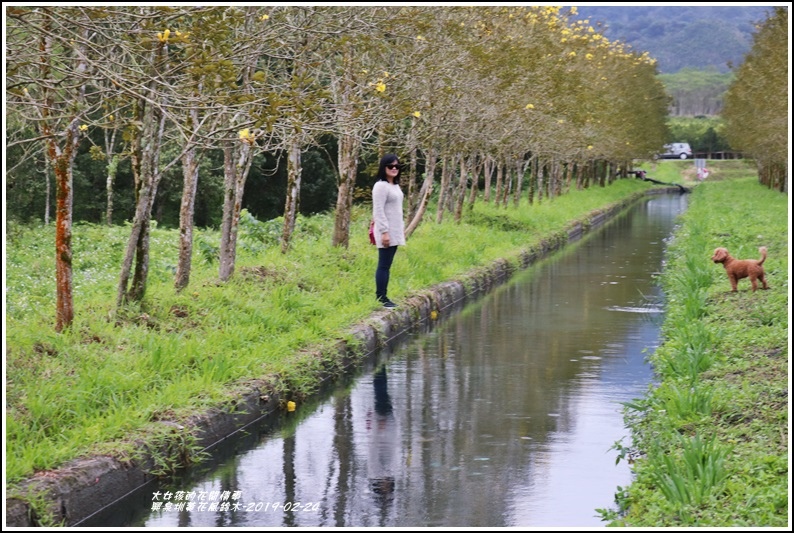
{"x":388,"y":304}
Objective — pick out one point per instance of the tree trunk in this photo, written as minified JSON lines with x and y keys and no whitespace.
{"x":293,"y":192}
{"x":557,"y":177}
{"x":47,"y":189}
{"x":460,"y":194}
{"x":540,"y":179}
{"x":508,"y":184}
{"x":475,"y":166}
{"x":489,"y":164}
{"x":186,"y":209}
{"x":442,"y":195}
{"x":532,"y":184}
{"x":349,"y":148}
{"x":62,"y":163}
{"x":588,"y":175}
{"x":112,"y":168}
{"x":500,"y":171}
{"x":148,"y":180}
{"x":600,"y":169}
{"x":348,"y":161}
{"x":413,"y":196}
{"x":228,"y":223}
{"x":519,"y":182}
{"x":451,"y":187}
{"x":236,"y":166}
{"x":424,"y":194}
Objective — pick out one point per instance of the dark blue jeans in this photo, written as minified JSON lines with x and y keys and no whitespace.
{"x":385,"y":259}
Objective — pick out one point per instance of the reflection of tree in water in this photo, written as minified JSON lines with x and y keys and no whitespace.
{"x":383,"y":442}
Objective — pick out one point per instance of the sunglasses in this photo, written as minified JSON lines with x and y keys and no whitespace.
{"x":392,"y":167}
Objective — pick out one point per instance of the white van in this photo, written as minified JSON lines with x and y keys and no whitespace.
{"x":677,"y":151}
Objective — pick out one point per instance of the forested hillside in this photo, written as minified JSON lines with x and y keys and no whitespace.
{"x":697,"y":37}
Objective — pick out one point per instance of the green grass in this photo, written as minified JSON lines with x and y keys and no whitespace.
{"x":709,"y":443}
{"x":103,"y":384}
{"x":711,"y":440}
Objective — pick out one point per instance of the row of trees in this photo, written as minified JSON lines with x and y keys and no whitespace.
{"x":464,"y":92}
{"x":756,"y":105}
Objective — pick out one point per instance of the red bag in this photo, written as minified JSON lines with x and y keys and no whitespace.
{"x":372,"y":232}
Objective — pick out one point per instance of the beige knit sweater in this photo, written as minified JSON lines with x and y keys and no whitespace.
{"x":387,"y":211}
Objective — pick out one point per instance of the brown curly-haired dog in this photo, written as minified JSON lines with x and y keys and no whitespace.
{"x":742,"y":268}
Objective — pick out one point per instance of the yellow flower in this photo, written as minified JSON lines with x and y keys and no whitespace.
{"x":380,"y":87}
{"x":420,"y":38}
{"x":164,"y":36}
{"x":264,"y":17}
{"x":572,"y":53}
{"x":434,"y":314}
{"x":417,"y":114}
{"x":589,"y":146}
{"x":290,"y":406}
{"x":83,"y":127}
{"x":247,"y":136}
{"x":530,"y":106}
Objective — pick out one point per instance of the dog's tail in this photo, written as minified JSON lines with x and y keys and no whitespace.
{"x":763,"y":255}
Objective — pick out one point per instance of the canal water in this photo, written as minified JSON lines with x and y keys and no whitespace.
{"x":501,"y":415}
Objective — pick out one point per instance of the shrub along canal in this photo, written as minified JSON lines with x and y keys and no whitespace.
{"x":500,"y":415}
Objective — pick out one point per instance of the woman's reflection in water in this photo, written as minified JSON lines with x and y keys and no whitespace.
{"x":383,"y":442}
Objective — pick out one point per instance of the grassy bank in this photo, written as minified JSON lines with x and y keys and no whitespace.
{"x":710,"y":440}
{"x":101,"y":386}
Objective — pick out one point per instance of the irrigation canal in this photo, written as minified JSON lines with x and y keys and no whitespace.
{"x":501,"y":415}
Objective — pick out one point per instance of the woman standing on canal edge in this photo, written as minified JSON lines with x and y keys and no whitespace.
{"x":387,"y":212}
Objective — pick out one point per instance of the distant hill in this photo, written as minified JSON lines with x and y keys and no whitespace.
{"x":698,"y":37}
